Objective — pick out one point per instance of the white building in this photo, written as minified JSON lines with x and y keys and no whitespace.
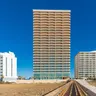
{"x":8,"y":67}
{"x":85,"y":65}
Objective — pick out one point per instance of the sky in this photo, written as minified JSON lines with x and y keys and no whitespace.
{"x":16,"y":28}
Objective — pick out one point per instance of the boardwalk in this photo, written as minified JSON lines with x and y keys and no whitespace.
{"x":73,"y":88}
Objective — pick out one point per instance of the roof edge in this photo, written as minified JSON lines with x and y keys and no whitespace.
{"x":52,"y":10}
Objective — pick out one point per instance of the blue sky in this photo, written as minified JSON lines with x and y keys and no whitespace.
{"x":16,"y":28}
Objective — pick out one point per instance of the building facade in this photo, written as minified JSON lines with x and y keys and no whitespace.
{"x":51,"y":44}
{"x":85,"y":65}
{"x":8,"y":67}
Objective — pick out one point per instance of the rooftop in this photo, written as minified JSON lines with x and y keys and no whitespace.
{"x":7,"y":53}
{"x":52,"y":10}
{"x":92,"y":51}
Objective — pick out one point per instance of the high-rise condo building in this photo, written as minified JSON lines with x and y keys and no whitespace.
{"x":8,"y":67}
{"x":51,"y":44}
{"x":85,"y":65}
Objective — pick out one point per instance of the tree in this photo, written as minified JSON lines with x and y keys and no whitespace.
{"x":94,"y":77}
{"x":31,"y":78}
{"x":23,"y":78}
{"x":20,"y":77}
{"x":2,"y":77}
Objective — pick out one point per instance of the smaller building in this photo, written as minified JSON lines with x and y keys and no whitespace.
{"x":8,"y":67}
{"x":85,"y":65}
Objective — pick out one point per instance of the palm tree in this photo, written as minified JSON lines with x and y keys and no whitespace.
{"x":23,"y":78}
{"x":31,"y":77}
{"x":19,"y":77}
{"x":2,"y":77}
{"x":94,"y":77}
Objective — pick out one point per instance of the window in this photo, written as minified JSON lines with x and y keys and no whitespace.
{"x":11,"y":67}
{"x":6,"y":66}
{"x":1,"y":57}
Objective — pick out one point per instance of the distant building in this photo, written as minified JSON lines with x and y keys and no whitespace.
{"x":51,"y":44}
{"x":8,"y":67}
{"x":85,"y":65}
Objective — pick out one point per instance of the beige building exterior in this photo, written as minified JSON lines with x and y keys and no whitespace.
{"x":51,"y":44}
{"x":85,"y":65}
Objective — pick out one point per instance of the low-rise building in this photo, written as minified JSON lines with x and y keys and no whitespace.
{"x":85,"y":65}
{"x":8,"y":67}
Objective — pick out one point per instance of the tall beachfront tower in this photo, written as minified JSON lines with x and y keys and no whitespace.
{"x":8,"y":67}
{"x":51,"y":44}
{"x":85,"y":65}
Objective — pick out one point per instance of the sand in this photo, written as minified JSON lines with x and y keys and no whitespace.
{"x":27,"y":89}
{"x":92,"y":82}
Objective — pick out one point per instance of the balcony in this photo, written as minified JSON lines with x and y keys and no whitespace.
{"x":62,"y":16}
{"x":36,"y":33}
{"x":44,"y":15}
{"x":51,"y":15}
{"x":36,"y":16}
{"x":64,"y":21}
{"x":36,"y":12}
{"x":66,"y":13}
{"x":50,"y":52}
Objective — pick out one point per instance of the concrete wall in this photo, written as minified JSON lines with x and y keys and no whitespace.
{"x":40,"y":81}
{"x":9,"y":79}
